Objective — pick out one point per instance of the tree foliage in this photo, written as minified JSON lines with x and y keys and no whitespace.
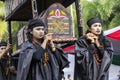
{"x":3,"y":24}
{"x":2,"y":10}
{"x":99,"y":8}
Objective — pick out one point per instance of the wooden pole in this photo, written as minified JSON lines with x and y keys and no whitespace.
{"x":34,"y":8}
{"x":11,"y":50}
{"x":9,"y":35}
{"x":79,"y":19}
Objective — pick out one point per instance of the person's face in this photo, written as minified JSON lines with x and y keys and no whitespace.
{"x":2,"y":48}
{"x":96,"y":28}
{"x":38,"y":32}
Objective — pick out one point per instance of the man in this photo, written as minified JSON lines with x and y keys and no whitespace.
{"x":69,"y":77}
{"x":3,"y":60}
{"x":39,"y":58}
{"x":93,"y":53}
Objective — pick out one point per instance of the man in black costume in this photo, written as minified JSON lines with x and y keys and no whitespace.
{"x":39,"y":58}
{"x":93,"y":53}
{"x":4,"y":47}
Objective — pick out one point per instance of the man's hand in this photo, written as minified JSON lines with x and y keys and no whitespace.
{"x":12,"y":69}
{"x":48,"y":37}
{"x":9,"y":46}
{"x":93,"y":38}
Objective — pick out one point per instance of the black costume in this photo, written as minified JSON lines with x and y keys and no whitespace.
{"x":3,"y":68}
{"x":12,"y":75}
{"x":3,"y":64}
{"x":31,"y":65}
{"x":92,"y":63}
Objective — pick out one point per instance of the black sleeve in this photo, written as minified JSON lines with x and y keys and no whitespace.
{"x":106,"y":44}
{"x":61,"y":57}
{"x":38,"y":54}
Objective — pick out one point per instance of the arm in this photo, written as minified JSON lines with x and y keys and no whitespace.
{"x":105,"y":48}
{"x":80,"y":51}
{"x":52,"y":45}
{"x":48,"y":39}
{"x":81,"y":58}
{"x":106,"y":60}
{"x":95,"y":42}
{"x":5,"y":51}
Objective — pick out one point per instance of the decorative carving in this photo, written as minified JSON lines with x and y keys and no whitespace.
{"x":59,"y":23}
{"x":21,"y":36}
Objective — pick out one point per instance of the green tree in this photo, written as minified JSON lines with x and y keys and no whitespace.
{"x":98,"y":8}
{"x":3,"y":24}
{"x":115,"y":16}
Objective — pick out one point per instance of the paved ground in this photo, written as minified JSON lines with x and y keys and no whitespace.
{"x":114,"y":71}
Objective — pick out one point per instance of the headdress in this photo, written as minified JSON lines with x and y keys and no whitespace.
{"x":92,"y":21}
{"x":34,"y":23}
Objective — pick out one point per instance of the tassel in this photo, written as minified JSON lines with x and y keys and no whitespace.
{"x":45,"y":58}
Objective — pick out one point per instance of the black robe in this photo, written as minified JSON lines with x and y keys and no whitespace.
{"x":86,"y":66}
{"x":14,"y":62}
{"x":31,"y":64}
{"x":3,"y":67}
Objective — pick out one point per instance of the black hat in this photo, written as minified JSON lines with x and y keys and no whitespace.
{"x":3,"y":44}
{"x":92,"y":21}
{"x":34,"y":23}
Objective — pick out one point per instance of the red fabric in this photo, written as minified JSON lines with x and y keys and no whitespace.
{"x":115,"y":35}
{"x":69,"y":48}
